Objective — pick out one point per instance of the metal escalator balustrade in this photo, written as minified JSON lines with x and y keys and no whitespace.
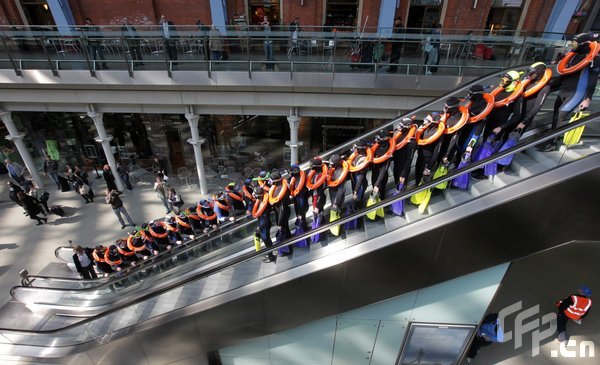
{"x":93,"y":298}
{"x":244,"y":274}
{"x":435,"y":105}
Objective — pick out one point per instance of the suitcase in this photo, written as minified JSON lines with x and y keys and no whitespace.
{"x":57,"y":210}
{"x":64,"y":184}
{"x":488,"y":53}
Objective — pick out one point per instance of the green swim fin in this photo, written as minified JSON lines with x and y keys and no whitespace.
{"x":334,"y":215}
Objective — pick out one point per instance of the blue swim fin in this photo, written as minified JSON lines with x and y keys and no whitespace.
{"x":398,"y":206}
{"x":462,"y":180}
{"x":512,"y":140}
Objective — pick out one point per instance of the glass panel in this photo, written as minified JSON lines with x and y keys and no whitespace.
{"x":435,"y":344}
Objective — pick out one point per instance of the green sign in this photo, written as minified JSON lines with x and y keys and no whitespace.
{"x":52,"y":148}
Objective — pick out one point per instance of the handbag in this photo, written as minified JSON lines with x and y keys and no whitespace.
{"x":84,"y":189}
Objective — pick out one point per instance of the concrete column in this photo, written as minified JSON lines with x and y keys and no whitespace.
{"x":17,"y":139}
{"x":104,"y":140}
{"x":294,"y":121}
{"x":196,"y":142}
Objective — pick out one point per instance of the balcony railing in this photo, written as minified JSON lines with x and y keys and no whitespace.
{"x":250,"y":49}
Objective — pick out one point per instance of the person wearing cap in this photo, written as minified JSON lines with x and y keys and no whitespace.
{"x":318,"y":192}
{"x":235,"y":197}
{"x":222,"y":208}
{"x":468,"y":139}
{"x":173,"y":234}
{"x":113,"y":258}
{"x":428,"y":154}
{"x":207,"y":215}
{"x":264,"y":222}
{"x":450,"y":138}
{"x":279,"y":200}
{"x":84,"y":262}
{"x":101,"y":264}
{"x":157,"y":234}
{"x":299,"y":194}
{"x":533,"y":101}
{"x":575,"y":88}
{"x":359,"y":166}
{"x":403,"y":157}
{"x":574,"y":307}
{"x":336,"y":183}
{"x":383,"y":149}
{"x":505,"y":117}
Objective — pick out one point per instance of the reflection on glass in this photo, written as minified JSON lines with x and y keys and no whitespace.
{"x":435,"y":344}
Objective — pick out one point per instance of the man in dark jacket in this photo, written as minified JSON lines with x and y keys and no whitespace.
{"x":84,"y":262}
{"x":112,"y":198}
{"x":32,"y":207}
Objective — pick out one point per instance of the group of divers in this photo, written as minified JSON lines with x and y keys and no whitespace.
{"x":469,"y":129}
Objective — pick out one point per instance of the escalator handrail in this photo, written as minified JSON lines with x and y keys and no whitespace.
{"x":168,"y":254}
{"x":252,"y":255}
{"x":421,"y":107}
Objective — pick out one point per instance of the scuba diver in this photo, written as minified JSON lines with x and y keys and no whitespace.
{"x":279,"y":200}
{"x":579,"y":71}
{"x":404,"y":138}
{"x":261,"y":211}
{"x":315,"y":182}
{"x":428,"y":146}
{"x":299,"y":194}
{"x":358,"y":164}
{"x":383,"y":149}
{"x":336,"y":179}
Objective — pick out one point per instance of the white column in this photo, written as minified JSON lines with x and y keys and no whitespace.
{"x":293,"y":143}
{"x":17,"y":139}
{"x":196,"y":142}
{"x":105,"y":139}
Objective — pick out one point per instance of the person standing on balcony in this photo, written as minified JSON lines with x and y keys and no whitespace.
{"x":169,"y":34}
{"x":133,"y":41}
{"x":396,"y":44}
{"x":268,"y":43}
{"x":94,"y":45}
{"x":215,"y":44}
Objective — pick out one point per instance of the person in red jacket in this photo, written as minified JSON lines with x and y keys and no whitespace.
{"x":574,"y":307}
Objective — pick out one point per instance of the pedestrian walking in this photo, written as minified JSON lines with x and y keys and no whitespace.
{"x":109,"y":178}
{"x":51,"y":169}
{"x":15,"y":171}
{"x":112,"y":198}
{"x":162,"y":190}
{"x":123,"y":171}
{"x":574,"y":307}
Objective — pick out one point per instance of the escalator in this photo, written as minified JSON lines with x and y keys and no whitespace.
{"x":211,"y":271}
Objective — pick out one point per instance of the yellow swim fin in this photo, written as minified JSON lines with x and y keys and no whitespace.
{"x":574,"y":135}
{"x":425,"y":201}
{"x":257,"y":242}
{"x":441,"y":171}
{"x":334,"y":215}
{"x":372,"y":200}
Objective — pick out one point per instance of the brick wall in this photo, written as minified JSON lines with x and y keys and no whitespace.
{"x":235,"y":7}
{"x":537,"y":15}
{"x":9,"y":14}
{"x":310,"y":14}
{"x":370,"y":8}
{"x":460,"y":15}
{"x":141,"y":11}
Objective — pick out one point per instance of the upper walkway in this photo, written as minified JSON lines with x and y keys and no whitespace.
{"x":343,"y":73}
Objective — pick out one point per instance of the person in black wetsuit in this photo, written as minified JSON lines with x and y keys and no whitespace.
{"x":279,"y":199}
{"x":576,"y":88}
{"x":337,"y":191}
{"x":506,"y":117}
{"x":318,"y":194}
{"x":533,"y":103}
{"x":379,"y":170}
{"x":476,"y":103}
{"x":359,"y":177}
{"x":299,"y":194}
{"x":450,"y":139}
{"x":264,"y":223}
{"x":428,"y":154}
{"x":403,"y":156}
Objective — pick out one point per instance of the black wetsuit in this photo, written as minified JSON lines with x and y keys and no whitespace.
{"x":337,"y":194}
{"x":575,"y":87}
{"x":379,"y":171}
{"x":427,"y":155}
{"x":402,"y":160}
